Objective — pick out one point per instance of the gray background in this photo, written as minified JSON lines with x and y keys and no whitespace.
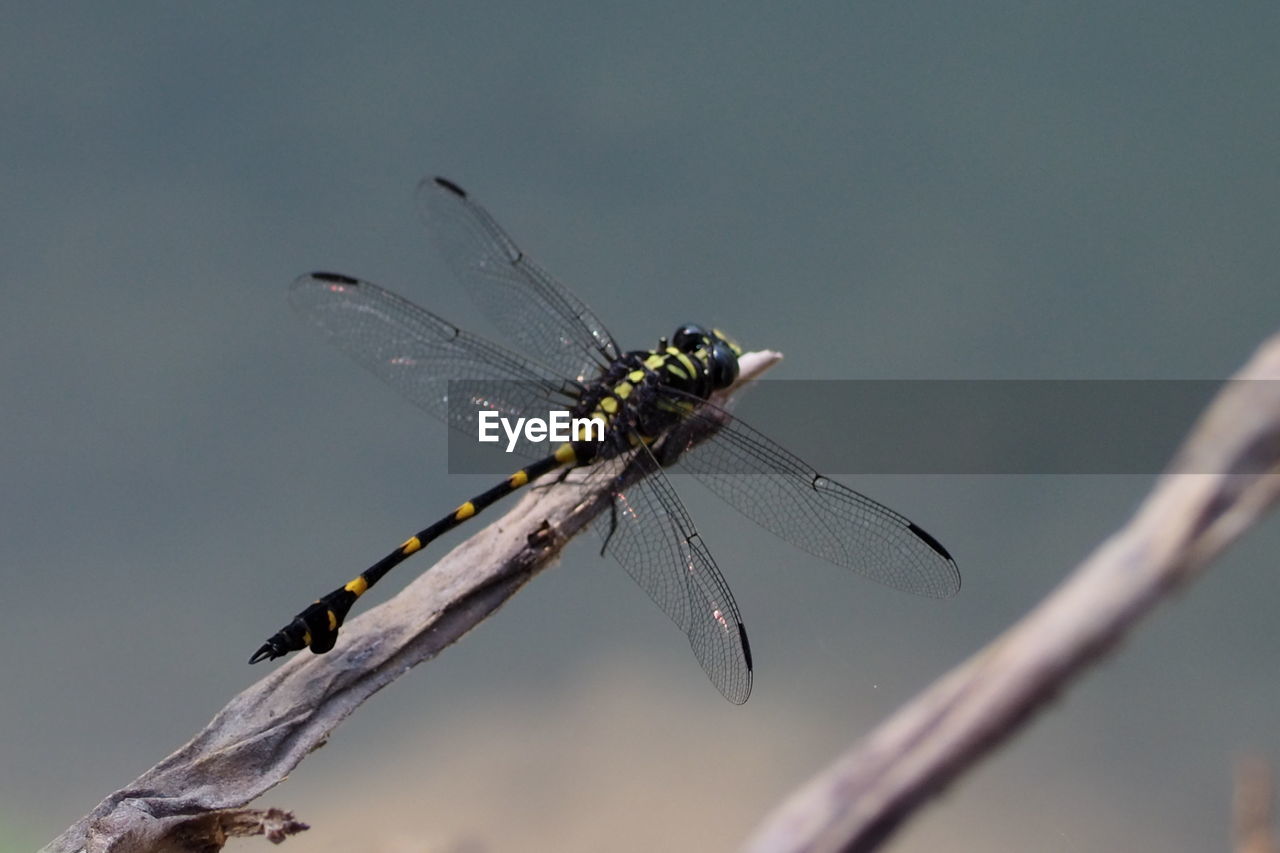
{"x":977,"y":190}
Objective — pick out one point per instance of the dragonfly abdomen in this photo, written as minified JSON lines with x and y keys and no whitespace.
{"x":317,"y":626}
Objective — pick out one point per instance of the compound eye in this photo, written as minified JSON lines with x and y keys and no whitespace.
{"x":689,"y":337}
{"x":723,"y":364}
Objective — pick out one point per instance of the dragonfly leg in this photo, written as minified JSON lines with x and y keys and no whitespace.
{"x":613,"y":525}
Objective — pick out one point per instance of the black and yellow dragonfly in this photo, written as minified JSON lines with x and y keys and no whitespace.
{"x":652,"y":405}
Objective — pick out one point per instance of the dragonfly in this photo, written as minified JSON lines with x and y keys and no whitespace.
{"x":653,"y":413}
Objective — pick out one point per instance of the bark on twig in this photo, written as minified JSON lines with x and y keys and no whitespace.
{"x":192,"y":800}
{"x":1186,"y":521}
{"x":1254,"y":806}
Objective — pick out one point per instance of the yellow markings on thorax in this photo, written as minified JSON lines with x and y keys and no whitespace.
{"x":623,"y":389}
{"x":464,"y":512}
{"x":411,"y":546}
{"x":566,"y":455}
{"x":679,"y":364}
{"x":656,"y":360}
{"x":357,"y":586}
{"x":518,"y":479}
{"x":608,"y":406}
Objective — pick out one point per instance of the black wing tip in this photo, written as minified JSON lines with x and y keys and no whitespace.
{"x":450,"y":186}
{"x":334,"y":277}
{"x":924,"y":537}
{"x":741,"y":692}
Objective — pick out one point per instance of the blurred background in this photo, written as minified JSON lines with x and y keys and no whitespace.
{"x":985,"y":190}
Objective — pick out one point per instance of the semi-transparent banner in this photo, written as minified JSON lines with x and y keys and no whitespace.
{"x":894,"y":426}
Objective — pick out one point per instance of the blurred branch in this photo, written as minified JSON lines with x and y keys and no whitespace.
{"x":191,"y":801}
{"x":1254,"y":802}
{"x":1186,"y":521}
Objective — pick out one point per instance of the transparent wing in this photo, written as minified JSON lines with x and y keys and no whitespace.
{"x":418,"y":354}
{"x":787,"y":496}
{"x":538,"y":314}
{"x":652,"y":537}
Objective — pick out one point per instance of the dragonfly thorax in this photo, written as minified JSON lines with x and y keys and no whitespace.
{"x":644,"y":392}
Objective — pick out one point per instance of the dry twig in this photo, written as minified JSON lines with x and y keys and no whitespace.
{"x":1254,"y":802}
{"x":1186,"y":521}
{"x":191,"y":801}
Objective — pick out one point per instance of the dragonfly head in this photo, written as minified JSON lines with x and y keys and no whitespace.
{"x":719,"y":351}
